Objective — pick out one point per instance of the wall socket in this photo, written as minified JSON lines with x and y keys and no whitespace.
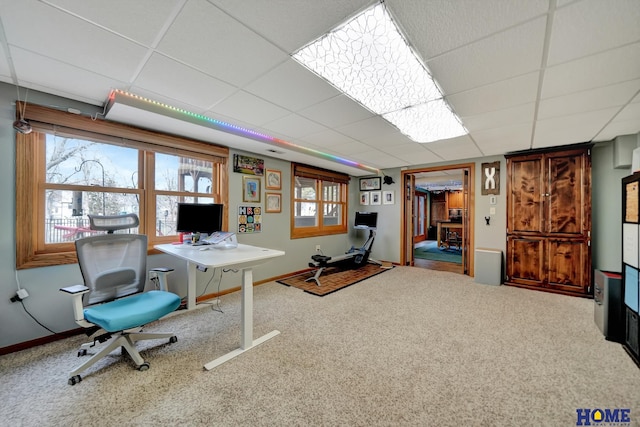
{"x":318,"y":248}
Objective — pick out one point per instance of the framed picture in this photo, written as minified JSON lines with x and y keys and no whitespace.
{"x":364,"y":199}
{"x":388,"y":197}
{"x":369,"y":184}
{"x":251,"y":189}
{"x":248,"y":165}
{"x":273,"y":202}
{"x":376,"y":198}
{"x":249,"y":219}
{"x":273,"y":180}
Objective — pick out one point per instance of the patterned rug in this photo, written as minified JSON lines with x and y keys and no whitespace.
{"x":332,"y":279}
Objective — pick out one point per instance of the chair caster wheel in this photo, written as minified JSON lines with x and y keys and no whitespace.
{"x":75,"y":380}
{"x":82,"y":352}
{"x":143,"y":367}
{"x":173,"y":339}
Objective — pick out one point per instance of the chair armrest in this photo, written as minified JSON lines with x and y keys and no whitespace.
{"x":76,"y":291}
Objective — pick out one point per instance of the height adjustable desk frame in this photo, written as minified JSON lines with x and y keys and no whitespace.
{"x":243,"y":257}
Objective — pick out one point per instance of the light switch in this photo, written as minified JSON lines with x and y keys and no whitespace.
{"x":492,"y":211}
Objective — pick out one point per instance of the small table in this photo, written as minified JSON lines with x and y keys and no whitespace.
{"x":243,"y":257}
{"x":446,"y":225}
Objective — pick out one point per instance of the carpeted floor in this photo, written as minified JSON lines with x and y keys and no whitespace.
{"x":429,"y":250}
{"x":332,"y":279}
{"x":409,"y":347}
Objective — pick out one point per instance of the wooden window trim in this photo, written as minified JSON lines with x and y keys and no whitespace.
{"x":30,"y":169}
{"x":319,"y":175}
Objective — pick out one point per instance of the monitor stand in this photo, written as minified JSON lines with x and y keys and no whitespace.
{"x":230,"y":242}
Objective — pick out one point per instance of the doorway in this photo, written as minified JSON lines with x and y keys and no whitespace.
{"x":438,"y":220}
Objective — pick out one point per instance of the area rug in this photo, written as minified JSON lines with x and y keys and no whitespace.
{"x":332,"y":279}
{"x":431,"y":252}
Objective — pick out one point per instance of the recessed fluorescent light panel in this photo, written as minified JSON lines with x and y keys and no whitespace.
{"x":368,"y":59}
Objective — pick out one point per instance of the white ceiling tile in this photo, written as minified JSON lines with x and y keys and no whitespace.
{"x":326,"y":139}
{"x":140,"y":20}
{"x":294,"y":126}
{"x":423,"y":157}
{"x":369,"y":130}
{"x":291,"y":24}
{"x":496,"y":96}
{"x":336,"y":111}
{"x":350,"y":149}
{"x":292,"y":86}
{"x":45,"y":30}
{"x":502,"y":56}
{"x":194,"y":87}
{"x":571,"y":129}
{"x":244,"y":106}
{"x":461,"y":147}
{"x":584,"y":28}
{"x":438,"y":26}
{"x":588,"y":100}
{"x":210,"y":40}
{"x":504,"y":139}
{"x":594,"y":71}
{"x":69,"y":81}
{"x":496,"y":119}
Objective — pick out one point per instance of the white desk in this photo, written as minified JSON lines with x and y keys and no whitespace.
{"x":243,"y":257}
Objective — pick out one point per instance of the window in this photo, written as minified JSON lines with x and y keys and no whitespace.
{"x":319,"y":202}
{"x":72,"y":166}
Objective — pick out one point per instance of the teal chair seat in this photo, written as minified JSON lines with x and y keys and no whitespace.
{"x":133,"y":311}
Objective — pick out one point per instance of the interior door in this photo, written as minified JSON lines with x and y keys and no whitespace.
{"x":409,"y":219}
{"x":420,"y":215}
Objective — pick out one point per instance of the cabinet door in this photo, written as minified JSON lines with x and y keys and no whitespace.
{"x":567,"y":261}
{"x":525,"y":260}
{"x":568,"y":193}
{"x":525,"y":198}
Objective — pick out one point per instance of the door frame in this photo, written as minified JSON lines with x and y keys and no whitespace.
{"x":406,"y":242}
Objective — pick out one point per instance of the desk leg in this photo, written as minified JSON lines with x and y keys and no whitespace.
{"x":246,"y":339}
{"x":191,"y":285}
{"x":247,"y":309}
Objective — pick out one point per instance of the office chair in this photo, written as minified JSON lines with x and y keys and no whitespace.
{"x":112,"y":303}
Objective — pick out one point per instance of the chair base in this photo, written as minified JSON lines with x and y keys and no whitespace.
{"x":127,"y":341}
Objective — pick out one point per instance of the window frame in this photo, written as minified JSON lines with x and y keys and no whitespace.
{"x":31,"y":251}
{"x":320,"y":176}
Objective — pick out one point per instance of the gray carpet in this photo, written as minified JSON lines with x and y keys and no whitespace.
{"x":408,"y":347}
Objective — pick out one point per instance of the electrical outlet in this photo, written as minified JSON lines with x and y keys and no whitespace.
{"x":317,"y":248}
{"x":20,"y":295}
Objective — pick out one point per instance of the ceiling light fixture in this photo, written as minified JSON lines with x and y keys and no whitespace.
{"x":370,"y":60}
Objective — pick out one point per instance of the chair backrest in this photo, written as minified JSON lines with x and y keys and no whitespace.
{"x":112,"y":265}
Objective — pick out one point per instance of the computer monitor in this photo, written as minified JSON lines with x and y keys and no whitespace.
{"x":366,"y":220}
{"x":199,"y":217}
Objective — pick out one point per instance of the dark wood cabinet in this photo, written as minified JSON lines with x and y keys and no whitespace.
{"x":549,"y":220}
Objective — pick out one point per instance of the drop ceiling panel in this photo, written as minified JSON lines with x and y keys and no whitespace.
{"x":208,"y":39}
{"x":328,"y":138}
{"x":504,"y":139}
{"x":247,"y":107}
{"x":495,"y":119}
{"x":438,"y":26}
{"x":584,"y":28}
{"x":496,"y":96}
{"x":588,"y":100}
{"x":193,"y":87}
{"x":140,"y":20}
{"x":461,"y":147}
{"x":414,"y":153}
{"x":508,"y":54}
{"x":594,"y":71}
{"x":291,"y":24}
{"x":571,"y":129}
{"x":292,"y":86}
{"x":294,"y":126}
{"x":336,"y":111}
{"x":69,"y":81}
{"x":373,"y":131}
{"x":45,"y":30}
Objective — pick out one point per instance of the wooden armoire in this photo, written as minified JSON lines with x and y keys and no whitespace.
{"x":549,"y":220}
